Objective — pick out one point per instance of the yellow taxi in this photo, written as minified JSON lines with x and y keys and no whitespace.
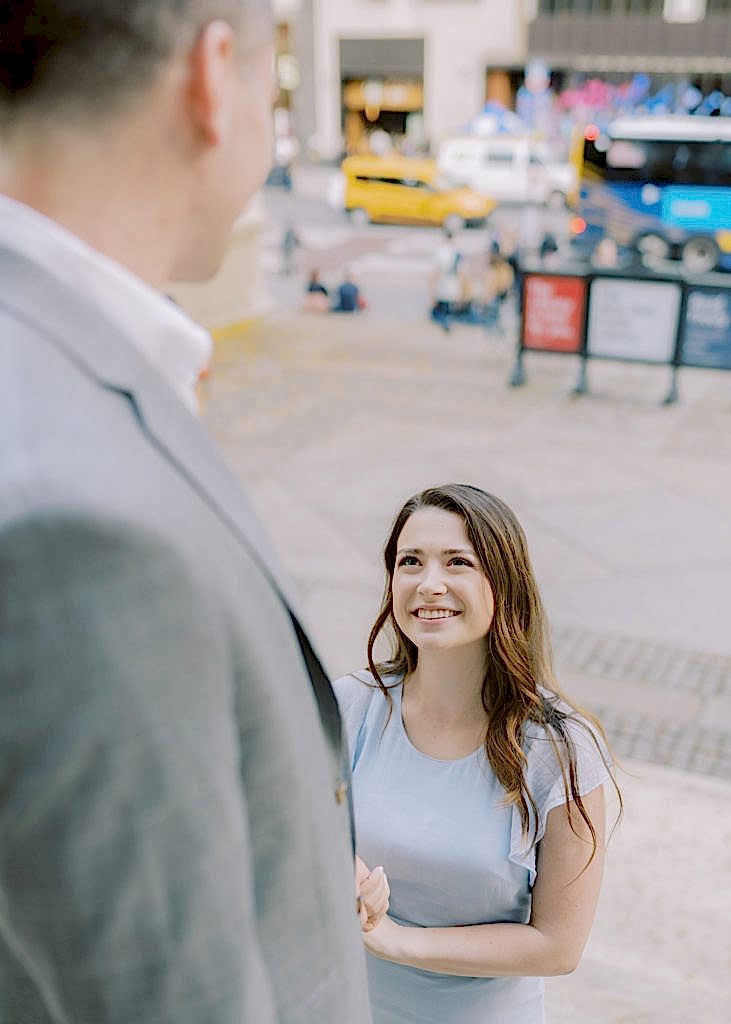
{"x":402,"y":190}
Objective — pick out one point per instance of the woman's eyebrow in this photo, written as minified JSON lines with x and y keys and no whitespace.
{"x":447,"y":551}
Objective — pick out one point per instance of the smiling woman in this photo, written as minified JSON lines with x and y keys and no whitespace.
{"x":437,"y":579}
{"x":476,"y":784}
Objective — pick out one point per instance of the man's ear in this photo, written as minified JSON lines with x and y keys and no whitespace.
{"x":210,"y":95}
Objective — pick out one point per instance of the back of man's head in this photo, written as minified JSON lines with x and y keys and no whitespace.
{"x":88,"y":57}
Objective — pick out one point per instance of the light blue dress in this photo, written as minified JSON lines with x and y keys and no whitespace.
{"x":453,"y":853}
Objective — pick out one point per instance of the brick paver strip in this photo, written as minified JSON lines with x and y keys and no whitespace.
{"x":642,"y":661}
{"x":690,"y":746}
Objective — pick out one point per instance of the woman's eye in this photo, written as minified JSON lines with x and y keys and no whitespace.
{"x":461,"y":561}
{"x":407,"y":560}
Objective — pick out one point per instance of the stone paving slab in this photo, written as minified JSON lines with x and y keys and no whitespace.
{"x":679,"y":606}
{"x":660,"y":950}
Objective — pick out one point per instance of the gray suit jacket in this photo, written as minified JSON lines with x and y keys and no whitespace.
{"x":171,"y":845}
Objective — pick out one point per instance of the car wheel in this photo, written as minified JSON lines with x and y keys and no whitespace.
{"x":453,"y":223}
{"x":359,"y":217}
{"x":653,"y":245}
{"x":700,"y":255}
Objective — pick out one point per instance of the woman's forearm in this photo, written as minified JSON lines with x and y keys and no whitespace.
{"x":481,"y":951}
{"x":563,"y":902}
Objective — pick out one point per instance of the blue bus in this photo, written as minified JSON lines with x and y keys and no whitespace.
{"x":661,"y":188}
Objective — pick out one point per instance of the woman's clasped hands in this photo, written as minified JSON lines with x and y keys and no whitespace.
{"x":372,"y":893}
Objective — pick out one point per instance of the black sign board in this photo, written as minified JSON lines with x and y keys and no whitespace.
{"x":706,"y":339}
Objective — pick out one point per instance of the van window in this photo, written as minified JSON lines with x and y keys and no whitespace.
{"x":497,"y":156}
{"x":459,"y":156}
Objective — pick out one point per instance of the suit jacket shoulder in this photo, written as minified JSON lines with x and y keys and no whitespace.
{"x":102,"y":462}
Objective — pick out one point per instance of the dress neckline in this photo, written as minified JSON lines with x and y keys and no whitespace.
{"x":398,"y":715}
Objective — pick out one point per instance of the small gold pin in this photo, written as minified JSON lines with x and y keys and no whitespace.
{"x":341,"y":792}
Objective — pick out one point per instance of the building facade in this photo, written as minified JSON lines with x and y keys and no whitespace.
{"x":413,"y":68}
{"x":419,"y":70}
{"x":691,"y":38}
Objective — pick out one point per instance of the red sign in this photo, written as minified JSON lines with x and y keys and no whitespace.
{"x":554,"y":313}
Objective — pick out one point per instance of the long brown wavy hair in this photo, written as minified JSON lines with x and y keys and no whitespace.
{"x":519,"y":685}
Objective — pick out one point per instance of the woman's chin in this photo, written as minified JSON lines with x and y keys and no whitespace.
{"x":434,"y":642}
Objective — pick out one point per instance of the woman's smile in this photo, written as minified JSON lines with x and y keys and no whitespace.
{"x":435,"y":614}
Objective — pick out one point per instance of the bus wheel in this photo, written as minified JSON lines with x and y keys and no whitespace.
{"x":653,"y":245}
{"x":700,"y":255}
{"x":359,"y":217}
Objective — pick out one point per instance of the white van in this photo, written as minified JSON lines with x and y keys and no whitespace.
{"x":509,"y":168}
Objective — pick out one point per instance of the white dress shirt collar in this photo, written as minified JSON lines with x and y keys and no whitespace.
{"x":176,"y":346}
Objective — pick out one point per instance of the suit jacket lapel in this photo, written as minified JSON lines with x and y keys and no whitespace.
{"x":96,"y":344}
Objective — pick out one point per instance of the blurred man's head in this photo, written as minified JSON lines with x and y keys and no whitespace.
{"x":189,"y":82}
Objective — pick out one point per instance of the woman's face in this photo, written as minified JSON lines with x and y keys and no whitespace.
{"x":442,"y":599}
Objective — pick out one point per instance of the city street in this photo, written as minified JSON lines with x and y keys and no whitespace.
{"x":393,"y":264}
{"x":333,"y":421}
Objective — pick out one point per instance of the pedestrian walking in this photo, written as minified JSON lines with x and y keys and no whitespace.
{"x":497,"y":283}
{"x":448,"y":293}
{"x":548,"y":251}
{"x":174,"y":812}
{"x":511,"y":253}
{"x":477,"y":785}
{"x":290,"y":244}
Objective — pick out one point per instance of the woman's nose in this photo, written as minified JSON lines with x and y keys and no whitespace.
{"x":432,"y":582}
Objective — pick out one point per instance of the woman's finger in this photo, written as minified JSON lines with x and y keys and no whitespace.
{"x":375,"y":896}
{"x":377,"y":878}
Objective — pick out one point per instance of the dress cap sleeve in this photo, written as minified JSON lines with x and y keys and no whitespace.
{"x":354,"y":693}
{"x":545,"y":779}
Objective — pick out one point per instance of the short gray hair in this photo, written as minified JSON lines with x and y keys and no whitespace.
{"x":91,"y":55}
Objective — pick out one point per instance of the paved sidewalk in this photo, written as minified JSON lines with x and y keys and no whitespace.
{"x":332,"y":423}
{"x":660,"y":951}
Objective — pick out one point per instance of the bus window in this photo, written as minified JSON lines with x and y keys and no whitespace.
{"x":658,"y":192}
{"x":659,"y":162}
{"x":623,"y":158}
